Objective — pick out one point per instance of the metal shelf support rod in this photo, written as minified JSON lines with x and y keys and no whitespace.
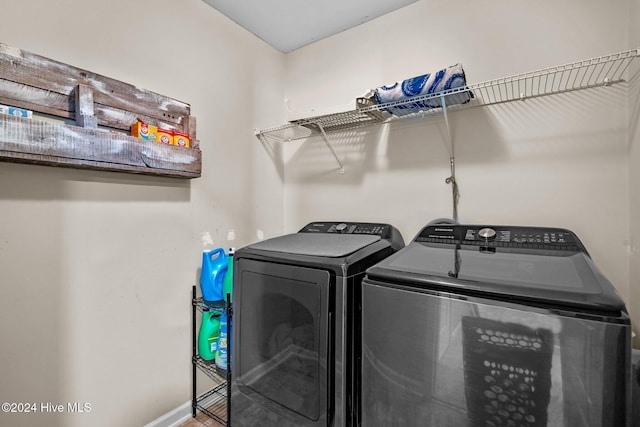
{"x":326,"y":141}
{"x":454,"y":188}
{"x":452,"y":161}
{"x":194,"y":396}
{"x":446,"y":122}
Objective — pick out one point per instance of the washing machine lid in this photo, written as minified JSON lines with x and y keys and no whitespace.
{"x":548,"y":266}
{"x":317,"y":244}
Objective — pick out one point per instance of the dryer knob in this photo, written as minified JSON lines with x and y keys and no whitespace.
{"x":487,"y":233}
{"x":341,"y":228}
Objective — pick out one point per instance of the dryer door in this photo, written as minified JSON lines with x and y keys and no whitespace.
{"x":280,"y":347}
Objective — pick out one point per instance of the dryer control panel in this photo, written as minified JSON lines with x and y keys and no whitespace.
{"x":382,"y":230}
{"x":499,"y":236}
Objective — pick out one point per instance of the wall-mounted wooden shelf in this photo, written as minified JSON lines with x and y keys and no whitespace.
{"x":103,"y":110}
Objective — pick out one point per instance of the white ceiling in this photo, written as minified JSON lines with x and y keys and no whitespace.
{"x":289,"y":24}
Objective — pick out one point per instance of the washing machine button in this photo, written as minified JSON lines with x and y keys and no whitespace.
{"x":487,"y":233}
{"x":341,"y":228}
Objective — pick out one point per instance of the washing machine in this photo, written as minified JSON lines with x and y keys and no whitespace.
{"x":493,"y":326}
{"x":296,"y":324}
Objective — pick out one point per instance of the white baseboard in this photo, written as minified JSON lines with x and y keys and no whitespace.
{"x":174,"y":418}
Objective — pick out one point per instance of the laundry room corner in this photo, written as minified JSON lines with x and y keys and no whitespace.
{"x":428,"y":215}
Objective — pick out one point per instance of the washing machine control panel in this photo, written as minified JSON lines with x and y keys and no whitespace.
{"x":382,"y":230}
{"x":502,"y":236}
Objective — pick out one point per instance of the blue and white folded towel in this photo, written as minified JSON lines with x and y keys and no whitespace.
{"x":427,"y":84}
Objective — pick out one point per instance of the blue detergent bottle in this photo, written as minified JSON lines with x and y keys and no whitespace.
{"x":222,"y":352}
{"x":214,"y":267}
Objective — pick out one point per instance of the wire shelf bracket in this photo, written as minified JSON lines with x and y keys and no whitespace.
{"x":452,"y":160}
{"x":326,"y":141}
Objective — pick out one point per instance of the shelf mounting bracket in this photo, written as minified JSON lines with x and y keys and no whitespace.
{"x":446,"y":122}
{"x":452,"y":161}
{"x":325,"y":138}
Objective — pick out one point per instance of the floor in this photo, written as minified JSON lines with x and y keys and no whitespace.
{"x":201,"y":420}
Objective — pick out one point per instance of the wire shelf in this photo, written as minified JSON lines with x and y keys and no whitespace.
{"x":596,"y":72}
{"x":211,"y":369}
{"x":214,"y":403}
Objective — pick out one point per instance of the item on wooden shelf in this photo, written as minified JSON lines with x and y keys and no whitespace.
{"x":208,"y":335}
{"x":164,"y":136}
{"x":144,"y":131}
{"x":446,"y":79}
{"x":16,"y":112}
{"x":214,"y":267}
{"x":181,"y":139}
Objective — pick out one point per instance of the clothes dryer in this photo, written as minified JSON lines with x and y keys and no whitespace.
{"x":296,"y":324}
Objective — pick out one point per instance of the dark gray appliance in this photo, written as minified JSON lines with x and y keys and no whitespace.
{"x":296,"y":315}
{"x":493,"y":326}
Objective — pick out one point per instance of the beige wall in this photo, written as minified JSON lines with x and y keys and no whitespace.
{"x":553,"y":161}
{"x":96,"y":268}
{"x":634,"y":169}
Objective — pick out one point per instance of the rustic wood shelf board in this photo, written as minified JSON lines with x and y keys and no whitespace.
{"x":97,"y":104}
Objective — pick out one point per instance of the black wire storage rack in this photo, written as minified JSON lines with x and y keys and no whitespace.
{"x":215,"y":402}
